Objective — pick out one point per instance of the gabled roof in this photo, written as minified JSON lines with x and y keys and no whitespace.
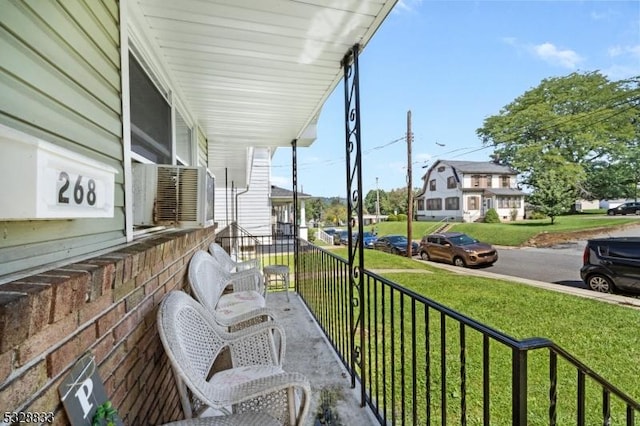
{"x":478,"y":167}
{"x":277,"y":192}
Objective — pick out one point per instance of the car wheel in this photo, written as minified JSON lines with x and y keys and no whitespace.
{"x":600,"y":283}
{"x":424,"y":255}
{"x":611,"y":213}
{"x":458,"y":261}
{"x":396,"y":251}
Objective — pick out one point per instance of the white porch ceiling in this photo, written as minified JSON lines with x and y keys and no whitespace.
{"x":255,"y":73}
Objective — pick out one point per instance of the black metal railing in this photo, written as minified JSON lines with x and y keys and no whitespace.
{"x":423,"y":363}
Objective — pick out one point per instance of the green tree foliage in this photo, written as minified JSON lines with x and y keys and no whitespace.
{"x":554,"y":192}
{"x":370,"y":202}
{"x":580,"y":123}
{"x":315,"y":209}
{"x":336,"y":212}
{"x":491,"y":216}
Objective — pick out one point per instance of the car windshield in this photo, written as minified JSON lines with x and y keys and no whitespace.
{"x":462,"y":240}
{"x":367,"y":235}
{"x":397,"y":239}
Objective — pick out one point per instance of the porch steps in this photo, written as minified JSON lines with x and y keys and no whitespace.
{"x":443,"y":228}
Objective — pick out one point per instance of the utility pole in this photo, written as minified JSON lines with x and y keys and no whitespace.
{"x":377,"y":204}
{"x":409,"y":185}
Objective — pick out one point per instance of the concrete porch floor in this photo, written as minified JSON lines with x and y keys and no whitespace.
{"x":309,"y":353}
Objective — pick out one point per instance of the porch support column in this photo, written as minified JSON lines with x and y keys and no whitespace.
{"x":354,"y":215}
{"x":294,"y":178}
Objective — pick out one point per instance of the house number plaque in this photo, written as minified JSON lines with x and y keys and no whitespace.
{"x":51,"y":182}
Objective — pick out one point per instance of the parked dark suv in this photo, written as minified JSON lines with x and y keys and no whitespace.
{"x":626,"y":208}
{"x":611,"y":264}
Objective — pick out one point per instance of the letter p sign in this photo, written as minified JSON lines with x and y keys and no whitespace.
{"x":82,"y":394}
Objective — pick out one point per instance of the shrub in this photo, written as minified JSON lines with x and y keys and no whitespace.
{"x":402,"y":217}
{"x":491,"y":216}
{"x":537,"y":215}
{"x":514,"y":214}
{"x":392,"y":218}
{"x":311,"y":234}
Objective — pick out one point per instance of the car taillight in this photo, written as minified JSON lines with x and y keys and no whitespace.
{"x":585,"y":256}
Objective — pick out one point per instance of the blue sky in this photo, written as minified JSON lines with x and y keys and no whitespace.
{"x":454,"y":63}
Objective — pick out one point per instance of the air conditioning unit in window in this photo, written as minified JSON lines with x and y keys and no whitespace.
{"x":172,"y":195}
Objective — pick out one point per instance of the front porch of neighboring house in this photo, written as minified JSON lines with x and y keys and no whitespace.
{"x":508,"y":203}
{"x":283,"y":211}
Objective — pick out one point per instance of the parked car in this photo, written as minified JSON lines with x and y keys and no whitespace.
{"x":396,"y":244}
{"x":626,"y":208}
{"x":368,"y":239}
{"x":458,"y":249}
{"x":340,"y":237}
{"x":611,"y":264}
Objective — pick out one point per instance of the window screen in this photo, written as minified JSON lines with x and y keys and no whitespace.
{"x":150,"y":117}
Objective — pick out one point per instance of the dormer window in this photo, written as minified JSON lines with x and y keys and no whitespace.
{"x":505,"y":181}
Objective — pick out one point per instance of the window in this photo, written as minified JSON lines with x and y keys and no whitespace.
{"x":452,"y":203}
{"x":441,"y":169}
{"x":432,"y":185}
{"x":451,"y":182}
{"x":184,"y":143}
{"x":475,"y":181}
{"x":505,"y":181}
{"x":420,"y":203}
{"x":509,"y":202}
{"x":434,"y":204}
{"x":150,"y":117}
{"x":473,"y":203}
{"x":488,"y":179}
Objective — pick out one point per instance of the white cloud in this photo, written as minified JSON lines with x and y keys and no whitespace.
{"x":407,"y":5}
{"x":551,"y":54}
{"x":633,"y":51}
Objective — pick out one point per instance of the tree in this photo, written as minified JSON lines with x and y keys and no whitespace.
{"x":370,"y":202}
{"x":336,"y":212}
{"x":315,"y":209}
{"x":554,"y":192}
{"x":568,"y":121}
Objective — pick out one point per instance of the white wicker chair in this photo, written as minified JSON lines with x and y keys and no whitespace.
{"x":256,"y":381}
{"x":229,"y":263}
{"x":245,"y":304}
{"x":242,"y":419}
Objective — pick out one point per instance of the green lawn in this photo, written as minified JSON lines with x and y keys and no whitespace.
{"x":601,"y":335}
{"x":510,"y":233}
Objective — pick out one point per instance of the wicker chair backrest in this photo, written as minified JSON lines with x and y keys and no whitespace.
{"x":190,"y":337}
{"x":222,"y":256}
{"x":207,"y":278}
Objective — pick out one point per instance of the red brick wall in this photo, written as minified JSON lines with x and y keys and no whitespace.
{"x":106,"y":305}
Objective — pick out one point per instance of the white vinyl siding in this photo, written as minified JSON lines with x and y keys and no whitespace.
{"x":254,"y":206}
{"x":60,"y":82}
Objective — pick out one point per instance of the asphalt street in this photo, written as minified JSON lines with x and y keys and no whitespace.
{"x":558,"y":265}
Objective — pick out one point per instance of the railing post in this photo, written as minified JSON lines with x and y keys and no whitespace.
{"x":519,"y":387}
{"x":294,"y":178}
{"x":354,"y":208}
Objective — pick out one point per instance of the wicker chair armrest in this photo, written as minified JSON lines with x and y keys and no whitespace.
{"x":247,"y":280}
{"x":258,"y":312}
{"x":248,"y":264}
{"x":264,"y":342}
{"x":236,"y":394}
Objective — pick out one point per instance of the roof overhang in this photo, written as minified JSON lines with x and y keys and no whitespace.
{"x":255,"y":73}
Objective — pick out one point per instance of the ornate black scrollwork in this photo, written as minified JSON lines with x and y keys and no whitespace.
{"x":354,"y":206}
